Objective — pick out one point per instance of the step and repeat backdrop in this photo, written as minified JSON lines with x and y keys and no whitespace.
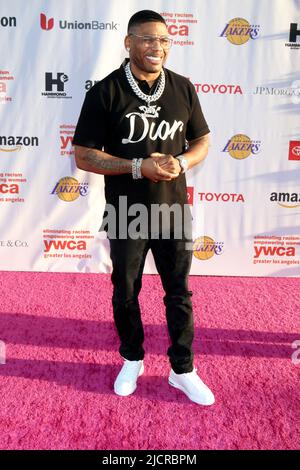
{"x":243,"y":58}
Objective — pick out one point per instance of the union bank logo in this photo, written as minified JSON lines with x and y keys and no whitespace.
{"x":240,"y":146}
{"x":205,"y":248}
{"x":68,"y":189}
{"x":8,"y":21}
{"x":45,"y":23}
{"x":48,"y":23}
{"x":238,"y":31}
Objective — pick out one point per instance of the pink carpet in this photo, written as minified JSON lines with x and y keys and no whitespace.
{"x":61,"y":361}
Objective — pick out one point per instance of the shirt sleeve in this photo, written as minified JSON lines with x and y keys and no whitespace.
{"x":91,"y":130}
{"x":197,"y":125}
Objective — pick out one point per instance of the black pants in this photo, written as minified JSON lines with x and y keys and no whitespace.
{"x":173,"y":263}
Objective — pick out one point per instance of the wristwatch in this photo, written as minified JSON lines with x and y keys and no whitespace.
{"x":183,"y":163}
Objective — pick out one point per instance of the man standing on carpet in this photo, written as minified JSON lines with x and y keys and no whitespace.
{"x":143,"y":128}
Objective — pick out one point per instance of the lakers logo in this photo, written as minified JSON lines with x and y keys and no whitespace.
{"x":69,"y":189}
{"x":238,"y":31}
{"x":205,"y":248}
{"x":240,"y":146}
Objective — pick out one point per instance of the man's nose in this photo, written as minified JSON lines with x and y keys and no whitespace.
{"x":156,"y":44}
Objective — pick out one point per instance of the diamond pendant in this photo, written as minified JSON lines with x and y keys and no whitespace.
{"x":150,"y":111}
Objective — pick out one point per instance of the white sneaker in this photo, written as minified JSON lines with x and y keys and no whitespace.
{"x":125,"y":383}
{"x":191,"y":384}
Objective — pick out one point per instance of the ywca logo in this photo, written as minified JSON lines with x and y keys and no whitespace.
{"x":238,"y":31}
{"x":5,"y":78}
{"x":46,"y":24}
{"x":274,"y":251}
{"x":69,"y":189}
{"x":240,"y":146}
{"x":56,"y":245}
{"x":205,"y":248}
{"x":294,"y":150}
{"x":9,"y":188}
{"x":66,"y":136}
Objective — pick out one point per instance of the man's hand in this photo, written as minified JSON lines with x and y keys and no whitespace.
{"x":152,"y":170}
{"x":167,"y":163}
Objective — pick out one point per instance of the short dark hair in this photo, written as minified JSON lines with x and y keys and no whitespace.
{"x":144,"y":16}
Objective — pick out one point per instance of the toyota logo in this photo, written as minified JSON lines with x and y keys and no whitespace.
{"x":296,"y":151}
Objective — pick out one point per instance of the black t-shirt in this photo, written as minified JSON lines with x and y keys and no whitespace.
{"x":113,"y":119}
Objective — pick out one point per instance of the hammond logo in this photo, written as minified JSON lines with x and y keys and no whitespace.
{"x":294,"y":150}
{"x":55,"y":82}
{"x":240,"y":146}
{"x":294,"y":37}
{"x":286,"y":200}
{"x":46,"y":24}
{"x":205,"y":248}
{"x":15,"y":143}
{"x":69,"y":189}
{"x":238,"y":31}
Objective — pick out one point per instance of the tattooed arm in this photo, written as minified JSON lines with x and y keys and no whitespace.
{"x":96,"y":161}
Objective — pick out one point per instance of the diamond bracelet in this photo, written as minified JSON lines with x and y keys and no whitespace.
{"x":136,"y":168}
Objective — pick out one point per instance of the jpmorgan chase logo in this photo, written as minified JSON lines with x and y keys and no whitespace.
{"x":240,"y":146}
{"x":205,"y":248}
{"x":68,"y":189}
{"x":238,"y":31}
